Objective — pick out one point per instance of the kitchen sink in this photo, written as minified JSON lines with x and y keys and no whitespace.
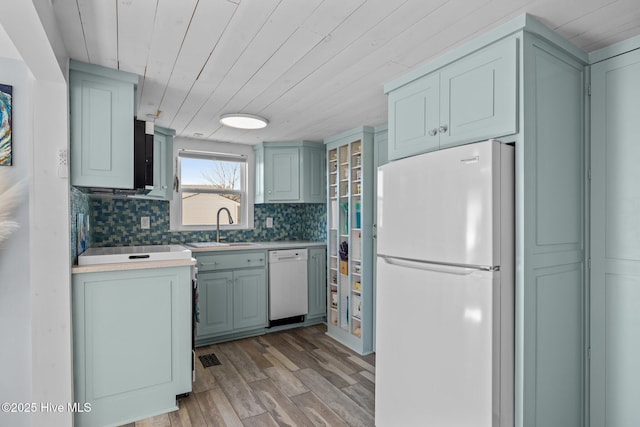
{"x":116,"y":254}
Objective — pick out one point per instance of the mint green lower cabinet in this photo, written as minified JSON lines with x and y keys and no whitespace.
{"x":216,"y":296}
{"x":232,"y":295}
{"x":615,"y":237}
{"x":132,"y":343}
{"x":249,"y":299}
{"x":317,"y":271}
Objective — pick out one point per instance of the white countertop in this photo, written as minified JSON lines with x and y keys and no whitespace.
{"x":233,"y":246}
{"x":119,"y":266}
{"x":243,"y":246}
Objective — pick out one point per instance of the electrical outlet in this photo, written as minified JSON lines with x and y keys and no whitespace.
{"x":269,"y":222}
{"x":63,"y":168}
{"x":145,"y":222}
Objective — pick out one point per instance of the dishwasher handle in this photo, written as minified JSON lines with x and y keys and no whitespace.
{"x":288,"y":255}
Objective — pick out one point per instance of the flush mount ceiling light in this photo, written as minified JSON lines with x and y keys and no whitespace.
{"x":243,"y":121}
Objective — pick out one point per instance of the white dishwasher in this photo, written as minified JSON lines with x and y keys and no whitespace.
{"x":288,"y":287}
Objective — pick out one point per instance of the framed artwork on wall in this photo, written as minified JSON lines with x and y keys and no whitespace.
{"x":6,"y":98}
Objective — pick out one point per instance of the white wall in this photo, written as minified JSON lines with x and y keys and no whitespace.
{"x":15,"y":311}
{"x":35,"y":303}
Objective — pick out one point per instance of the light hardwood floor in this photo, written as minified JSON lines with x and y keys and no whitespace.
{"x":298,"y":377}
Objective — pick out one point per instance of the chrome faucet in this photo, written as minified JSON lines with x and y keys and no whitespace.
{"x":218,"y":222}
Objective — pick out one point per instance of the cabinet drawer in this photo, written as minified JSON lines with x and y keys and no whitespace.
{"x":230,"y":261}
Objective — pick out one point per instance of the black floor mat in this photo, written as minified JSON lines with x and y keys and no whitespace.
{"x":209,"y":360}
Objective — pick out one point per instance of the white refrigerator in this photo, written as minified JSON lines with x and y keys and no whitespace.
{"x":445,"y":288}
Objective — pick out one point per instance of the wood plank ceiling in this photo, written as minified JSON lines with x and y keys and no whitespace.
{"x":314,"y":68}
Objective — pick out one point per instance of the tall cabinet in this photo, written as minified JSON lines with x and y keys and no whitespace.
{"x":350,"y":174}
{"x":615,"y":232}
{"x":529,"y":89}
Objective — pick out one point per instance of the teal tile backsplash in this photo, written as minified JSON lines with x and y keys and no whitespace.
{"x":116,"y":222}
{"x":79,"y":205}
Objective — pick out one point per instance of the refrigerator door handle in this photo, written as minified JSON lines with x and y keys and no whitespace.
{"x":462,"y":270}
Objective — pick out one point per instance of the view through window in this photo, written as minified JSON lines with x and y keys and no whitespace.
{"x":208,"y":183}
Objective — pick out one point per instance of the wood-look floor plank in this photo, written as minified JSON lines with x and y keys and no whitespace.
{"x":255,"y":350}
{"x":282,"y":358}
{"x":295,"y":342}
{"x":157,"y":421}
{"x":284,"y":379}
{"x":240,"y":396}
{"x":317,"y":412}
{"x":295,"y":377}
{"x":204,"y":379}
{"x":343,"y":363}
{"x":262,"y":420}
{"x":310,"y":360}
{"x":189,"y":414}
{"x":243,"y":363}
{"x":362,"y":363}
{"x":217,"y":409}
{"x":339,"y":402}
{"x":304,"y":340}
{"x":333,"y":346}
{"x":364,"y":381}
{"x":368,"y":375}
{"x":279,"y":406}
{"x":362,"y":396}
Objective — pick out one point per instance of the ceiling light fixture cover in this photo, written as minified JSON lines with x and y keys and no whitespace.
{"x":243,"y":121}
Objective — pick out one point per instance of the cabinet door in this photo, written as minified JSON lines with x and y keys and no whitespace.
{"x":249,"y":298}
{"x":478,"y":96}
{"x":313,"y":188}
{"x":615,"y":237}
{"x":282,"y":174}
{"x":414,"y":117}
{"x":132,"y":343}
{"x":317,"y":283}
{"x":162,"y":166}
{"x":259,"y":175}
{"x":101,"y":131}
{"x":215,"y":302}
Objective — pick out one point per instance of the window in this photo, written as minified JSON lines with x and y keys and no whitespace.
{"x":208,"y":183}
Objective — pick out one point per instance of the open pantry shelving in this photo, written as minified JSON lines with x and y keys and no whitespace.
{"x":349,"y":231}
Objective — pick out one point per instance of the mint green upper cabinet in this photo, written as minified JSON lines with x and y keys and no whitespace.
{"x":468,"y":100}
{"x":478,"y":95}
{"x":289,"y":172}
{"x":162,"y":164}
{"x":101,"y":117}
{"x":282,"y":177}
{"x":414,"y":111}
{"x":313,"y":174}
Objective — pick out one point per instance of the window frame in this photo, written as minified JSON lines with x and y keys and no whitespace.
{"x":217,"y":150}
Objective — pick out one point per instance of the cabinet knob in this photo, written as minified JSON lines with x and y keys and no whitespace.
{"x":443,"y":129}
{"x":433,"y":132}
